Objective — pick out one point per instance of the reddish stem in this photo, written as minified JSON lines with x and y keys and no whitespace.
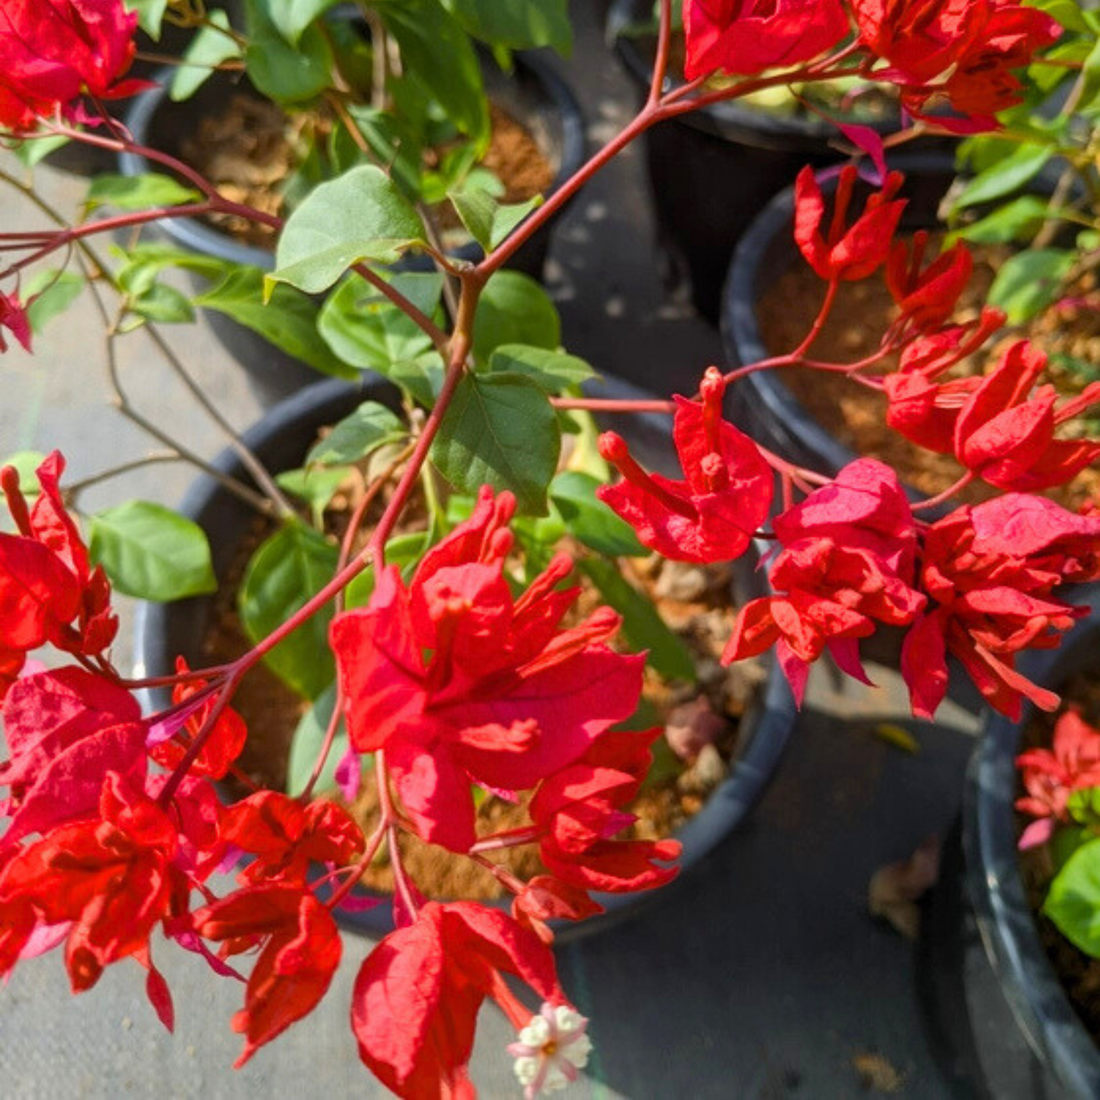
{"x":610,"y":405}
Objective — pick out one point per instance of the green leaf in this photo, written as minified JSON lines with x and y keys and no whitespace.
{"x":1065,"y":11}
{"x":436,"y":49}
{"x":150,"y":15}
{"x":138,"y":192}
{"x":162,"y":304}
{"x":315,"y":485}
{"x":306,"y":742}
{"x":25,"y":463}
{"x":371,"y":426}
{"x":151,"y":552}
{"x":590,"y":520}
{"x":1074,"y":899}
{"x":207,"y":50}
{"x":288,"y":319}
{"x":292,"y":17}
{"x":1029,"y":282}
{"x":551,"y":371}
{"x":32,"y":151}
{"x":499,"y":430}
{"x":487,"y":220}
{"x":366,"y":330}
{"x":285,"y":73}
{"x":642,"y":627}
{"x":288,"y":569}
{"x":421,"y":378}
{"x":1005,"y":176}
{"x":514,"y":309}
{"x":1017,"y":220}
{"x":1090,"y":73}
{"x":517,"y":24}
{"x":358,"y":216}
{"x":52,"y":293}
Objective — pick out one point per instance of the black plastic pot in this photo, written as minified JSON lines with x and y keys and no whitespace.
{"x":1040,"y":1006}
{"x":760,"y":403}
{"x":535,"y":94}
{"x":711,"y":171}
{"x":279,"y":440}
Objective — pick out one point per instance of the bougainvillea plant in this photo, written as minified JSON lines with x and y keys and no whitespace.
{"x":460,"y":666}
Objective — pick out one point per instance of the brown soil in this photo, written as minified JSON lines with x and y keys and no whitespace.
{"x":862,"y":312}
{"x":1079,"y":973}
{"x":251,"y":148}
{"x":694,"y":601}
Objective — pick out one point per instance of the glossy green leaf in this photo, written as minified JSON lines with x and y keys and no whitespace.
{"x":150,"y":15}
{"x":151,"y":552}
{"x":366,"y":330}
{"x":286,"y":73}
{"x":516,"y":24}
{"x":487,"y":220}
{"x":1005,"y":175}
{"x":1017,"y":220}
{"x":291,"y":566}
{"x":162,"y":304}
{"x":551,"y":371}
{"x":499,"y":430}
{"x":358,"y":216}
{"x":315,"y":485}
{"x":210,"y":47}
{"x":1029,"y":282}
{"x":35,"y":149}
{"x":138,"y":192}
{"x":288,"y":319}
{"x":436,"y":49}
{"x":50,"y":293}
{"x":371,"y":426}
{"x":514,"y":309}
{"x":642,"y":626}
{"x":589,"y":519}
{"x":25,"y":463}
{"x":1074,"y":899}
{"x":421,"y":378}
{"x":292,"y":17}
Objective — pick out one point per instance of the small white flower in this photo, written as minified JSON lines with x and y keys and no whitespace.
{"x":551,"y":1049}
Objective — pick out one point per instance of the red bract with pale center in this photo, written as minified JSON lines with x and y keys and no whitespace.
{"x":713,"y":514}
{"x":845,"y":252}
{"x":505,"y":697}
{"x":110,"y":876}
{"x":1005,"y":431}
{"x":748,"y":36}
{"x":53,"y":50}
{"x":299,"y":954}
{"x":417,"y":996}
{"x":286,"y":836}
{"x":848,"y":560}
{"x":48,"y":590}
{"x":221,"y":746}
{"x":1051,"y":775}
{"x":991,"y":569}
{"x":65,"y":730}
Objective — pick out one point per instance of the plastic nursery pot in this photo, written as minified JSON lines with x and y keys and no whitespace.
{"x":712,"y":170}
{"x":280,"y":440}
{"x":761,"y":403}
{"x":1038,"y":1002}
{"x":534,"y":94}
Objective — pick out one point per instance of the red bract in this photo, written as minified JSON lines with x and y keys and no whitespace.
{"x":417,"y":995}
{"x":580,"y":810}
{"x":53,"y":50}
{"x":286,"y":836}
{"x":111,"y":876}
{"x":926,"y":298}
{"x":13,"y":317}
{"x":1005,"y":431}
{"x":48,"y":590}
{"x":1051,"y":775}
{"x":847,"y":561}
{"x":712,"y":515}
{"x":222,"y":745}
{"x":300,"y":953}
{"x":505,"y":697}
{"x":748,"y":36}
{"x":17,"y":918}
{"x":845,"y":252}
{"x":991,"y":569}
{"x":65,"y":730}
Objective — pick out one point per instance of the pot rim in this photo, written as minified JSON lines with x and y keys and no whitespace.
{"x":197,"y":236}
{"x":773,"y":711}
{"x":1039,"y":1003}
